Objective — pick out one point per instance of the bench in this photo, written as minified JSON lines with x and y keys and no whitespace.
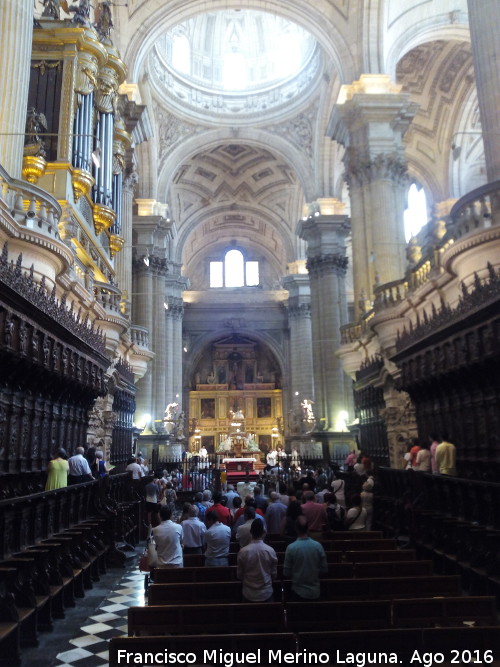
{"x":380,"y":556}
{"x":393,"y":569}
{"x":380,"y":588}
{"x":192,"y":593}
{"x":197,"y":619}
{"x":345,"y":614}
{"x":447,"y":611}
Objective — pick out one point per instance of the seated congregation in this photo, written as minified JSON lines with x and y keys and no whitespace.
{"x":277,"y":578}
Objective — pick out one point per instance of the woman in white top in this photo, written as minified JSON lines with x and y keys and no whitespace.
{"x":356,"y":517}
{"x":338,"y":488}
{"x":423,"y":458}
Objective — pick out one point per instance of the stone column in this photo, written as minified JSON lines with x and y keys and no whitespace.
{"x":299,"y":323}
{"x":143,"y":316}
{"x":175,"y":285}
{"x":370,"y":119}
{"x":123,"y":260}
{"x":16,"y":21}
{"x":486,"y":58}
{"x":158,"y":338}
{"x":325,"y":233}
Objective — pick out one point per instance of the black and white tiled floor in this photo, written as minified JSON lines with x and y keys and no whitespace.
{"x":89,"y":647}
{"x":81,"y":639}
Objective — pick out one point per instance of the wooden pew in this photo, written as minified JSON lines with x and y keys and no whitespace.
{"x":447,"y":611}
{"x":198,"y":644}
{"x":404,"y":642}
{"x":9,"y":629}
{"x":214,"y":618}
{"x":394,"y":569}
{"x":360,"y":544}
{"x":192,"y":593}
{"x":380,"y":556}
{"x":204,"y":574}
{"x":193,"y":574}
{"x":345,"y":614}
{"x":383,"y":588}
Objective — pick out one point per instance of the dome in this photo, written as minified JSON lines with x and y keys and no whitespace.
{"x":235,"y":61}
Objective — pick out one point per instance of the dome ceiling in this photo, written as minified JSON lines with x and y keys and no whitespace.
{"x":234,"y":62}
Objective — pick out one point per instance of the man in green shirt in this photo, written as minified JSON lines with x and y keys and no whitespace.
{"x":305,"y":560}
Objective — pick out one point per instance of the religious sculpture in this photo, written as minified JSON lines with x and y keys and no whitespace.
{"x":104,"y":22}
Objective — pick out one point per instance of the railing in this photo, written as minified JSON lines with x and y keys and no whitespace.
{"x":108,"y":296}
{"x":390,"y":294}
{"x":139,"y":336}
{"x":30,"y":206}
{"x":474,"y":211}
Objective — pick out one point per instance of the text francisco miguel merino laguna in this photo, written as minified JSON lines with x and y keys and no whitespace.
{"x":262,"y":657}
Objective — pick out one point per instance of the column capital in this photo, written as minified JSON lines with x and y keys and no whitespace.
{"x":372,"y":114}
{"x":322,"y":264}
{"x":299,"y":310}
{"x":361,"y":169}
{"x":324,"y":234}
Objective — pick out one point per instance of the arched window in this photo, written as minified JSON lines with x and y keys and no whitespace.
{"x":415,"y":215}
{"x":181,"y":54}
{"x":234,"y":271}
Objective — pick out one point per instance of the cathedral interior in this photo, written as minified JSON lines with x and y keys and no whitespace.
{"x":213,"y":208}
{"x":210,"y":209}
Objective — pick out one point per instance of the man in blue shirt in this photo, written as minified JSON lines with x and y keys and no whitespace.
{"x":305,"y":560}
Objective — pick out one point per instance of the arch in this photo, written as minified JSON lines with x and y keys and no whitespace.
{"x":208,"y":338}
{"x":187,"y":230}
{"x":190,"y":146}
{"x":147,"y":26}
{"x":420,"y":34}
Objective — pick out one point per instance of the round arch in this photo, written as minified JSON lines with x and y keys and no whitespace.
{"x":207,"y":339}
{"x":422,"y":33}
{"x":190,"y":146}
{"x":187,"y":230}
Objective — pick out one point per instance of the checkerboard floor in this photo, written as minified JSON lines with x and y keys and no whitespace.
{"x":89,"y":646}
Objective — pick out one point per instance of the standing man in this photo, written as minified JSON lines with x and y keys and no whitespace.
{"x":216,"y":541}
{"x":193,"y":530}
{"x":78,"y":468}
{"x":275,"y":512}
{"x":168,"y":537}
{"x":446,"y":457}
{"x":305,"y":560}
{"x":257,"y":566}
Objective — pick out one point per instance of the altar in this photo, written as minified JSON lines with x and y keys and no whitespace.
{"x":240,"y":469}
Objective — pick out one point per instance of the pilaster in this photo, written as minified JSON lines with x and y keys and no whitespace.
{"x":299,"y":322}
{"x":327,"y":263}
{"x":486,"y":58}
{"x":370,"y":119}
{"x":16,"y":21}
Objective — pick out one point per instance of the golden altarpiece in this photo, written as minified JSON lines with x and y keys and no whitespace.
{"x":235,"y":406}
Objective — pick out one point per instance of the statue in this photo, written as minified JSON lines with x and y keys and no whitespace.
{"x":211,"y":378}
{"x":170,"y":411}
{"x":308,"y":419}
{"x":225,"y":445}
{"x":81,"y":12}
{"x":36,"y":125}
{"x":180,"y":426}
{"x":237,"y":413}
{"x":51,"y":9}
{"x":104,"y":22}
{"x":307,"y":408}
